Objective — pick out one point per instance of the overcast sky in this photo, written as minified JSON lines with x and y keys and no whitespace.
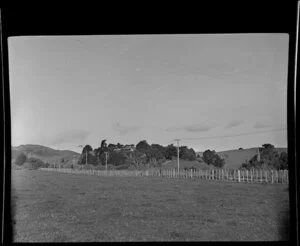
{"x":71,"y":90}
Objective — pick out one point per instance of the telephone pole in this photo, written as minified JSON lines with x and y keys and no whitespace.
{"x":106,"y":160}
{"x":258,"y":154}
{"x":85,"y":156}
{"x":177,"y":140}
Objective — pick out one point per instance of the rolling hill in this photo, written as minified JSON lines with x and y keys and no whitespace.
{"x":234,"y":158}
{"x":44,"y":153}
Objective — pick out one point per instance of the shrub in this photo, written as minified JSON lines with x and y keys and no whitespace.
{"x":212,"y":158}
{"x":34,"y":163}
{"x":21,"y":159}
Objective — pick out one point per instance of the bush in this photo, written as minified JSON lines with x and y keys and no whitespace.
{"x":21,"y":159}
{"x":15,"y":167}
{"x":34,"y":163}
{"x":212,"y":158}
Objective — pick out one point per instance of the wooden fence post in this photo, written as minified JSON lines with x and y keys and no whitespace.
{"x":239,"y":176}
{"x":266,"y":176}
{"x":272,"y":176}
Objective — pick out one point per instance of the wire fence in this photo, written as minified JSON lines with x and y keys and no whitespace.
{"x":250,"y":176}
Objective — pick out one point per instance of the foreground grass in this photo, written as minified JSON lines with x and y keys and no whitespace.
{"x":58,"y":207}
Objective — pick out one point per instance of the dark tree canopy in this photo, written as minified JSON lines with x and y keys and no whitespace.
{"x":212,"y":158}
{"x":143,"y":146}
{"x":171,"y":151}
{"x":187,"y":154}
{"x":269,"y":159}
{"x":21,"y":159}
{"x":137,"y":158}
{"x":103,"y":144}
{"x":268,"y":146}
{"x":87,"y":148}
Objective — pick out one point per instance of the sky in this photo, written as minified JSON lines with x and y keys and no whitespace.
{"x":212,"y":91}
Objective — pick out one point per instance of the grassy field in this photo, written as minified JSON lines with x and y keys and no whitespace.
{"x":172,"y":164}
{"x":59,"y":207}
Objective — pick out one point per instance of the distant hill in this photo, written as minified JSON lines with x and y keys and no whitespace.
{"x":234,"y":158}
{"x":44,"y":153}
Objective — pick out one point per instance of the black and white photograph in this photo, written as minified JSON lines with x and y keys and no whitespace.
{"x":149,"y":137}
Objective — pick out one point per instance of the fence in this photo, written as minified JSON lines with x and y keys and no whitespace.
{"x":268,"y":176}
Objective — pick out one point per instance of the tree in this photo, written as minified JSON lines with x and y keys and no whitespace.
{"x":283,"y":159}
{"x":103,"y":144}
{"x":155,"y":154}
{"x":119,"y":146}
{"x":111,"y":146}
{"x":117,"y":158}
{"x":268,"y":146}
{"x":86,"y":148}
{"x":137,"y":158}
{"x":143,"y":146}
{"x":208,"y":156}
{"x":240,"y":148}
{"x":269,"y":158}
{"x":171,"y":151}
{"x":187,"y":154}
{"x":21,"y":159}
{"x":34,"y":163}
{"x":212,"y":158}
{"x":88,"y":155}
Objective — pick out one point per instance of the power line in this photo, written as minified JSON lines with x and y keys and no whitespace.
{"x":236,"y":135}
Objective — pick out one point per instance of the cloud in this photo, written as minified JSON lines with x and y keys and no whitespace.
{"x":124,"y":129}
{"x":68,"y":137}
{"x":192,"y":128}
{"x":233,"y":123}
{"x":261,"y":125}
{"x":199,"y":128}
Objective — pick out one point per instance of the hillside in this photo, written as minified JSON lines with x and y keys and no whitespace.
{"x":44,"y":153}
{"x":234,"y":158}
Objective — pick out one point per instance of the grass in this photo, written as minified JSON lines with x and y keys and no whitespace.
{"x":59,"y":207}
{"x":172,"y":164}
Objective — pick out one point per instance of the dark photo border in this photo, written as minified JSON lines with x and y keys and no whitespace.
{"x":221,"y":17}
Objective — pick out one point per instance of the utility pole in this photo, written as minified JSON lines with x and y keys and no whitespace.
{"x":106,"y":160}
{"x":85,"y":156}
{"x":258,"y":154}
{"x":177,"y":140}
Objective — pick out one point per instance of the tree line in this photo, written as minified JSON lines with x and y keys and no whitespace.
{"x":144,"y":154}
{"x":141,"y":154}
{"x":269,"y":159}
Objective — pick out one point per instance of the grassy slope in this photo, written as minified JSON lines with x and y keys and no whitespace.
{"x":234,"y":158}
{"x":44,"y":153}
{"x":57,"y":207}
